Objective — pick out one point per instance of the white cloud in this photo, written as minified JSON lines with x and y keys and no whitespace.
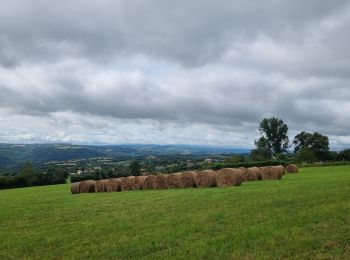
{"x":166,"y":72}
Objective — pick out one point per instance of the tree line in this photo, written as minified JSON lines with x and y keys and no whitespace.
{"x":308,"y":147}
{"x":29,"y":176}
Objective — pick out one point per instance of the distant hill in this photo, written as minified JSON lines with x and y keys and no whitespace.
{"x":14,"y":155}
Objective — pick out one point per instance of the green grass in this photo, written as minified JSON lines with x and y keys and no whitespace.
{"x":303,"y":216}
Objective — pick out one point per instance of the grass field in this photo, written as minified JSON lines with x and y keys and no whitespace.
{"x":303,"y":216}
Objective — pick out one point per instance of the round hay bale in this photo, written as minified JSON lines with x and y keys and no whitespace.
{"x":279,"y":171}
{"x":292,"y":168}
{"x":113,"y":185}
{"x":250,"y":174}
{"x":281,"y":168}
{"x":87,"y":186}
{"x":270,"y":173}
{"x":148,"y":183}
{"x":244,"y":171}
{"x":100,"y":186}
{"x":159,"y":182}
{"x":266,"y":173}
{"x":173,"y":180}
{"x":229,"y":177}
{"x":127,"y":183}
{"x":75,"y":188}
{"x":254,"y":171}
{"x":187,"y":179}
{"x":206,"y":179}
{"x":139,"y":182}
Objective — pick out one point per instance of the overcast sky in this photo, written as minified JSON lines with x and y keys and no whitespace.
{"x":165,"y":71}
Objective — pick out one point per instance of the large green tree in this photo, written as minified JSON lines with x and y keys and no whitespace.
{"x":274,"y":139}
{"x":316,"y":142}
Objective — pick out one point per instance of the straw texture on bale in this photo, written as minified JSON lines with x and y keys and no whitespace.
{"x":255,"y":171}
{"x":251,"y":174}
{"x":270,"y":173}
{"x":279,"y":171}
{"x":87,"y":186}
{"x":229,"y":177}
{"x":127,"y":183}
{"x":75,"y":188}
{"x":113,"y":185}
{"x":139,"y":182}
{"x":187,"y":179}
{"x":148,"y":183}
{"x":173,"y":180}
{"x":281,"y":168}
{"x":205,"y":179}
{"x":292,"y":168}
{"x":159,"y":182}
{"x":100,"y":186}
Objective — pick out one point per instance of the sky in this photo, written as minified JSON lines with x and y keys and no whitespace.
{"x":172,"y":72}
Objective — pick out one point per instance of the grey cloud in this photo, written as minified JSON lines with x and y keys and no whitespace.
{"x":149,"y":70}
{"x":190,"y":32}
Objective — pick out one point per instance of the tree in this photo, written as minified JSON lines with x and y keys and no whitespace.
{"x":305,"y":154}
{"x":135,"y":168}
{"x":274,"y":140}
{"x":316,"y":142}
{"x":29,"y":174}
{"x":344,"y":155}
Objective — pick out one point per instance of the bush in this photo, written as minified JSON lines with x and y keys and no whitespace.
{"x":218,"y":166}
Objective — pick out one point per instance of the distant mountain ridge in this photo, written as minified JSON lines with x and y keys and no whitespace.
{"x":13,"y":155}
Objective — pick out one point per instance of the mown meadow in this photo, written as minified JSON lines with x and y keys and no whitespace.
{"x":303,"y":216}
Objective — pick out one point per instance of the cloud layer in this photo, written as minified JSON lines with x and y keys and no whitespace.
{"x":155,"y":71}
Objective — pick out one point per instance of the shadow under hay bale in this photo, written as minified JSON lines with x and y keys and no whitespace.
{"x":229,"y":177}
{"x":87,"y":186}
{"x":205,"y":179}
{"x":187,"y":179}
{"x":148,"y":183}
{"x":113,"y":185}
{"x":173,"y":180}
{"x":159,"y":182}
{"x":100,"y":186}
{"x":292,"y":168}
{"x":75,"y":188}
{"x":138,"y":182}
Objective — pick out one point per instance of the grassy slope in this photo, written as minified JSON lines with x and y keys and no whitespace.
{"x":302,"y":216}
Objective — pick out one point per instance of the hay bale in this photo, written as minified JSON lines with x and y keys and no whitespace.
{"x":206,"y":178}
{"x":100,"y":186}
{"x":139,"y":182}
{"x":280,"y":170}
{"x":266,"y":173}
{"x":270,"y":173}
{"x":148,"y":183}
{"x":75,"y":188}
{"x":254,"y":171}
{"x":250,"y":174}
{"x":229,"y":177}
{"x":292,"y":168}
{"x":187,"y":179}
{"x":87,"y":186}
{"x":127,"y":183}
{"x":113,"y":185}
{"x":173,"y":180}
{"x":159,"y":182}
